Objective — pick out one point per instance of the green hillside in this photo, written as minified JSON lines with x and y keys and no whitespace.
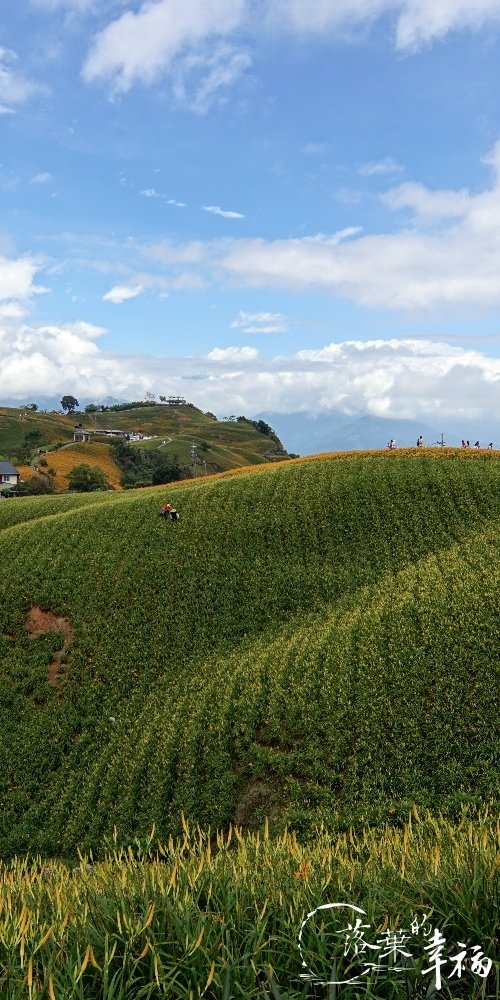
{"x":316,"y":640}
{"x":171,"y":430}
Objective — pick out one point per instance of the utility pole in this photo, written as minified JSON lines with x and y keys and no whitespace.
{"x":194,"y":456}
{"x":441,"y":443}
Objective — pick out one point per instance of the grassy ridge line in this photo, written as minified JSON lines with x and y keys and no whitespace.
{"x":466,"y":454}
{"x":333,"y":717}
{"x":13,"y":515}
{"x":141,"y":912}
{"x":22,"y":509}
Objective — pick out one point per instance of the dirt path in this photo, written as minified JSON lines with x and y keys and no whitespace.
{"x":38,"y":622}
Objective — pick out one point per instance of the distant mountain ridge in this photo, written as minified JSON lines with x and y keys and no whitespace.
{"x":308,"y":433}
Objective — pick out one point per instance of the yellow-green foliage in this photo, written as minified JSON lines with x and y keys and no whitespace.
{"x":184,"y":918}
{"x":316,"y":641}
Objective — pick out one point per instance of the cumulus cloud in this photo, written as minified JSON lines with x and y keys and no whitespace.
{"x":426,"y":204}
{"x":216,"y":210}
{"x":165,"y":36}
{"x":15,"y":88}
{"x":260,"y":322}
{"x":17,"y":279}
{"x":414,"y":379}
{"x":232,"y":354}
{"x":199,"y":43}
{"x":416,"y":22}
{"x":178,"y":204}
{"x":120,"y":293}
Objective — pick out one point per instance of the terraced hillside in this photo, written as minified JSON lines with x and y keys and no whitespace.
{"x":27,"y":436}
{"x":315,"y":640}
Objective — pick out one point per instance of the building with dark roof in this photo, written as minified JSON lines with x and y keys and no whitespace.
{"x":9,"y":476}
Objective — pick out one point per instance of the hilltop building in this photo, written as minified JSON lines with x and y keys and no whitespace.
{"x":9,"y":477}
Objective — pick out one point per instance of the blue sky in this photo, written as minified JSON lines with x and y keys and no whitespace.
{"x":259,"y":204}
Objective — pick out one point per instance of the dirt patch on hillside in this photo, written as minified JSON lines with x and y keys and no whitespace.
{"x":39,"y":621}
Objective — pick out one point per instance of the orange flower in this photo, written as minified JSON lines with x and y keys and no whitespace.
{"x":303,"y":871}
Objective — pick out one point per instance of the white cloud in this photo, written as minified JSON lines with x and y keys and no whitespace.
{"x":443,"y":260}
{"x":260,"y":322}
{"x":427,"y":204}
{"x":380,"y":167}
{"x":139,"y":47}
{"x":232,"y":354}
{"x":417,"y":22}
{"x":14,"y":87}
{"x":415,"y":379}
{"x":17,"y":279}
{"x":120,"y":293}
{"x":153,"y":193}
{"x":454,"y":263}
{"x":423,"y":21}
{"x":200,"y":77}
{"x":215,"y":210}
{"x":42,"y":178}
{"x":199,"y":43}
{"x":4,"y":110}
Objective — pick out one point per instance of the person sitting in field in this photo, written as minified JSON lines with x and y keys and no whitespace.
{"x":174,"y":515}
{"x":165,"y":510}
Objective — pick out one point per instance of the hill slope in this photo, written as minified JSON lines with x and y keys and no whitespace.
{"x":313,"y":639}
{"x":169,"y":430}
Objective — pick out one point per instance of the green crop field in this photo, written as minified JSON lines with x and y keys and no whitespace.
{"x":315,"y":641}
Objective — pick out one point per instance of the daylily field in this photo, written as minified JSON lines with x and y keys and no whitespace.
{"x":315,"y":642}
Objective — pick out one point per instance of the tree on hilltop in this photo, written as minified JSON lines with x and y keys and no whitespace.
{"x":85,"y":478}
{"x":69,"y":403}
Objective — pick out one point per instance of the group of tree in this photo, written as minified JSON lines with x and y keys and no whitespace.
{"x":30,"y":443}
{"x":145,"y":466}
{"x":87,"y":478}
{"x":261,"y":427}
{"x":118,"y":407}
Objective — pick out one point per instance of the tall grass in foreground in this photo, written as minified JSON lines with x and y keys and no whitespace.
{"x":218,"y":915}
